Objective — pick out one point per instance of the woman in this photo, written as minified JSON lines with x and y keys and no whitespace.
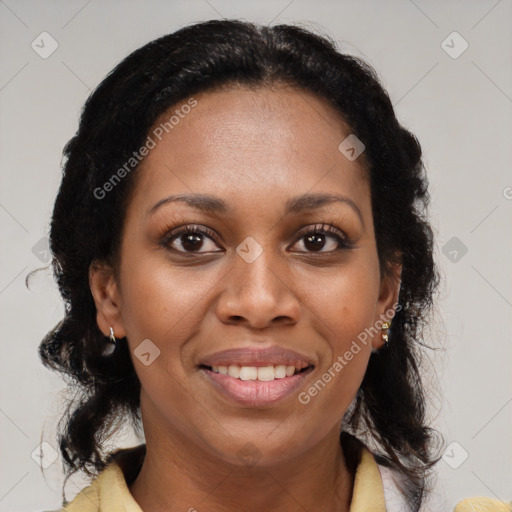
{"x":240,"y":238}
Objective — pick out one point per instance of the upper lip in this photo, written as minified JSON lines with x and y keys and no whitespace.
{"x":249,"y":356}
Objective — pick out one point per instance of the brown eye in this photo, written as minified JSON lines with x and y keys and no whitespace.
{"x":191,"y":239}
{"x":322,"y":237}
{"x":318,"y":241}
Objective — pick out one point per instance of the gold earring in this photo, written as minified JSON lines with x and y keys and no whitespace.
{"x":385,"y":329}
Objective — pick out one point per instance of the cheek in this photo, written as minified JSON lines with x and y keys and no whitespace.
{"x":344,"y":312}
{"x":160,"y":301}
{"x":346,"y":301}
{"x":341,"y":372}
{"x":162,"y":304}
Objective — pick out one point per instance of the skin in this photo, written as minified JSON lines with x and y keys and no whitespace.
{"x":254,"y":149}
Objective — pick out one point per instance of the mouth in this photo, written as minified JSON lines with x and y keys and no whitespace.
{"x":255,"y":376}
{"x":255,"y":386}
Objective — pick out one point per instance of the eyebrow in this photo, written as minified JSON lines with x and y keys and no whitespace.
{"x":305,"y":202}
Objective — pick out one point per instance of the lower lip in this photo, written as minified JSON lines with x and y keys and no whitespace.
{"x":255,"y":393}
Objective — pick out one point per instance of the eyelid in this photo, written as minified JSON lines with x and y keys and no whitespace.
{"x":323,"y":227}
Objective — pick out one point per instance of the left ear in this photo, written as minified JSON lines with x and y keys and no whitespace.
{"x":388,"y":299}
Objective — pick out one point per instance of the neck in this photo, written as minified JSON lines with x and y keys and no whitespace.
{"x":180,"y":476}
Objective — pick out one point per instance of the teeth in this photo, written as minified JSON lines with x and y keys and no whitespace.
{"x":280,"y":372}
{"x":266,"y":373}
{"x":233,"y":370}
{"x":261,"y":373}
{"x":248,"y":373}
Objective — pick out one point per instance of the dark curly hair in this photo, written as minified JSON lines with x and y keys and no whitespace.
{"x":389,"y":408}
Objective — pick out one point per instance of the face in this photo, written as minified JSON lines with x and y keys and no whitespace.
{"x":260,"y":270}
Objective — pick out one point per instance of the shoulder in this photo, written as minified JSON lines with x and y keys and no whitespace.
{"x":109,"y":490}
{"x":395,"y":502}
{"x":482,"y":504}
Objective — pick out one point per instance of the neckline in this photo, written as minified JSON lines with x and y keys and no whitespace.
{"x":130,"y":460}
{"x":125,"y":464}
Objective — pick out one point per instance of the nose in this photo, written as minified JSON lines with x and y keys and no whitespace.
{"x":258,"y":294}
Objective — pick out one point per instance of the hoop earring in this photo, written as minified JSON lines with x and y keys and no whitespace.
{"x":112,"y":337}
{"x":111,"y":345}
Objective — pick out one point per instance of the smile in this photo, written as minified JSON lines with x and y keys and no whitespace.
{"x":253,"y":386}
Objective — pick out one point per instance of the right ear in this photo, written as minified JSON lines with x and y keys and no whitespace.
{"x":107,"y":299}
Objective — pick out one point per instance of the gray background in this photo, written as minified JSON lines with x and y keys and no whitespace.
{"x":460,"y":109}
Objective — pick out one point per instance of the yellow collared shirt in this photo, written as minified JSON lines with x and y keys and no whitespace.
{"x":109,"y":493}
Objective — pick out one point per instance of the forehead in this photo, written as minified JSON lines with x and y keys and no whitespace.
{"x":250,"y":145}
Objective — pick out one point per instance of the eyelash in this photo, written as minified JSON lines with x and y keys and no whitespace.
{"x":324,"y":229}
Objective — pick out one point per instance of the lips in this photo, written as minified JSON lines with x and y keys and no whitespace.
{"x":254,"y":377}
